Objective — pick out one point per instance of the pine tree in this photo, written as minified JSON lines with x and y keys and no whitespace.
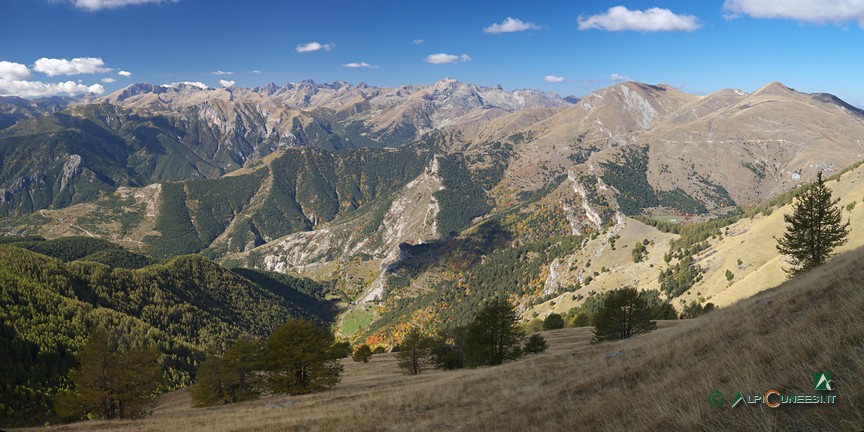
{"x":493,"y":336}
{"x":110,"y":383}
{"x":535,"y":344}
{"x":449,"y":355}
{"x":624,"y":313}
{"x":137,"y":376}
{"x":815,"y":229}
{"x":415,"y":351}
{"x":229,"y":378}
{"x":92,"y":381}
{"x":300,"y":357}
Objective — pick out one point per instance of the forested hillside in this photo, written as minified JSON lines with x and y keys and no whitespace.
{"x":186,"y":307}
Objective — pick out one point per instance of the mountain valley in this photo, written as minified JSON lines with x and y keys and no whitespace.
{"x":374,"y":210}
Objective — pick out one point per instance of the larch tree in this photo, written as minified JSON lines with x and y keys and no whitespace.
{"x":624,"y":313}
{"x":415,"y":352}
{"x":815,"y":229}
{"x":493,"y":336}
{"x":300,"y":357}
{"x":110,"y":383}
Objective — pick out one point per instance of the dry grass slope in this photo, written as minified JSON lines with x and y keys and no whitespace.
{"x":660,"y":381}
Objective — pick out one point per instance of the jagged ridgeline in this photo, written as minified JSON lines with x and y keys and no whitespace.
{"x":186,"y":307}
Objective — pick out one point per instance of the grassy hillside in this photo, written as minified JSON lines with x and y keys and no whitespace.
{"x":735,"y":257}
{"x":659,"y":381}
{"x":186,"y":307}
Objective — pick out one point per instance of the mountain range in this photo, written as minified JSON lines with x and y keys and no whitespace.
{"x":411,"y":200}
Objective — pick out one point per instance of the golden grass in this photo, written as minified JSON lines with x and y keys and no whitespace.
{"x":775,"y":340}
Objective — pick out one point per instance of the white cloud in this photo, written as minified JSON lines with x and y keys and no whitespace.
{"x":95,"y":5}
{"x":108,"y":80}
{"x":816,"y":11}
{"x":443,"y":58}
{"x":510,"y":25}
{"x":553,"y":79}
{"x":226,"y":83}
{"x":13,"y":71}
{"x":360,"y":65}
{"x":314,"y":46}
{"x":76,"y":66}
{"x":256,"y":71}
{"x":29,"y":89}
{"x":126,"y":74}
{"x":197,"y":84}
{"x":418,"y":41}
{"x":620,"y":18}
{"x":619,"y":78}
{"x":221,"y":72}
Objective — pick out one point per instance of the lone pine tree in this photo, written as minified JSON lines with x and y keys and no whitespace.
{"x":815,"y":229}
{"x":493,"y":336}
{"x":624,"y":313}
{"x":300,"y":358}
{"x":415,"y":352}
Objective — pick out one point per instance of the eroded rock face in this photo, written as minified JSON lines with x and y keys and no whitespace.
{"x":409,"y":218}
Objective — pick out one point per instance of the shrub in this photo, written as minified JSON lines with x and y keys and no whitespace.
{"x":553,"y":322}
{"x":362,"y":354}
{"x":535,"y":344}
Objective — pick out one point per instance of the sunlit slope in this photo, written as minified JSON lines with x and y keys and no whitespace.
{"x":659,"y":381}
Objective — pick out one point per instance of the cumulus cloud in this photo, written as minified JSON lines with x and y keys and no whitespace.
{"x":31,"y":89}
{"x":226,"y":83}
{"x":510,"y":25}
{"x":13,"y":71}
{"x":96,"y":5}
{"x":256,"y":71}
{"x":126,"y":74}
{"x":221,"y":72}
{"x":418,"y":41}
{"x":361,"y":64}
{"x":314,"y":46}
{"x":619,"y":18}
{"x":619,"y":78}
{"x":443,"y":58}
{"x":76,"y":66}
{"x":108,"y":80}
{"x":815,"y":11}
{"x":553,"y":79}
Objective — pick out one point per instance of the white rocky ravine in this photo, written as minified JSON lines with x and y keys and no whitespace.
{"x":410,"y":218}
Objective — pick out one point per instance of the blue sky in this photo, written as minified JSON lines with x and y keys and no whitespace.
{"x":699,"y":46}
